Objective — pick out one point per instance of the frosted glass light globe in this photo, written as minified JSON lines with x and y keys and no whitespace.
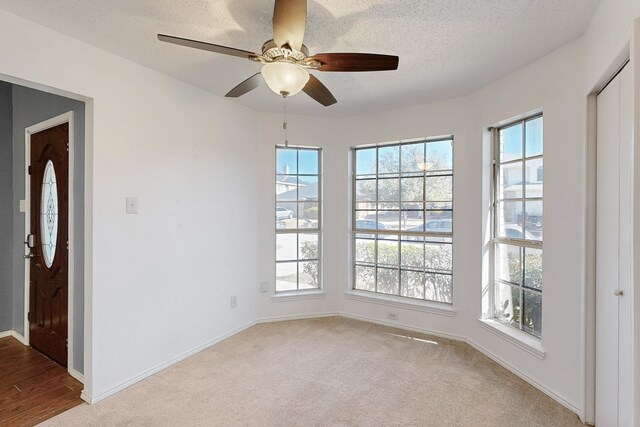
{"x":285,"y":78}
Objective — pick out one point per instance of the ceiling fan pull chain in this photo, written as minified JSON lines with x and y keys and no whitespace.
{"x":284,"y":123}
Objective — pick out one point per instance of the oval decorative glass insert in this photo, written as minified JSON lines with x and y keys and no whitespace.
{"x":49,"y":214}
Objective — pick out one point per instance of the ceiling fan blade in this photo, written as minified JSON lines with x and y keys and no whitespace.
{"x":246,"y":86}
{"x":207,"y":46}
{"x":356,"y":62}
{"x":316,"y":90}
{"x":289,"y":22}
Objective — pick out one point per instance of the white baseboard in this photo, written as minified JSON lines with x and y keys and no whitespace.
{"x":555,"y":396}
{"x":564,"y":402}
{"x":295,"y":317}
{"x":89,"y":398}
{"x":14,"y":334}
{"x":19,"y":337}
{"x":86,"y":397}
{"x":77,"y":375}
{"x":403,"y":326}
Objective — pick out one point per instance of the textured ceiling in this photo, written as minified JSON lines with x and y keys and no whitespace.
{"x":447,"y":48}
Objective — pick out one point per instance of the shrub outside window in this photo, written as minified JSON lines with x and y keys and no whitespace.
{"x":298,"y":220}
{"x":403,"y":219}
{"x":518,"y":224}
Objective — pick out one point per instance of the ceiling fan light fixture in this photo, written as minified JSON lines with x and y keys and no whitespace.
{"x":284,"y":78}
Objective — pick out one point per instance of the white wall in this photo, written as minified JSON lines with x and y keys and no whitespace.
{"x":558,"y":84}
{"x":608,"y":39}
{"x":160,"y":281}
{"x":272,"y":134}
{"x":554,"y":84}
{"x":636,"y":279}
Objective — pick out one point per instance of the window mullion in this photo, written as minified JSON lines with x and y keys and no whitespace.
{"x":399,"y":265}
{"x":375,"y":263}
{"x":522,"y":276}
{"x":402,"y":226}
{"x":525,"y":242}
{"x":495,"y":158}
{"x":299,"y":178}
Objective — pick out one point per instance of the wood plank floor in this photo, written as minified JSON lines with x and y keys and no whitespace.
{"x":33,"y":388}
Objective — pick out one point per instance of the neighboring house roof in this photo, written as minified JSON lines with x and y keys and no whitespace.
{"x":290,"y":180}
{"x":304,"y":192}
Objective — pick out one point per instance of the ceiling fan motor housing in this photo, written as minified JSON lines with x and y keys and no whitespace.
{"x":273,"y":52}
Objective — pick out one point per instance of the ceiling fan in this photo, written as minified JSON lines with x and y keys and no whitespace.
{"x":286,"y":59}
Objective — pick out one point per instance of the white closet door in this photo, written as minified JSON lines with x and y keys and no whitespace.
{"x":625,"y":307}
{"x":607,"y":244}
{"x":613,"y":253}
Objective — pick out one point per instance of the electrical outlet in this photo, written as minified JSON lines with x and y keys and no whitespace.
{"x":234,"y":301}
{"x":264,"y":286}
{"x":132,"y":205}
{"x":392,"y":316}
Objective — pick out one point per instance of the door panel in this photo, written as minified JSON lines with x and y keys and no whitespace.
{"x":48,"y":281}
{"x":625,"y":333}
{"x":607,"y":244}
{"x":614,"y":264}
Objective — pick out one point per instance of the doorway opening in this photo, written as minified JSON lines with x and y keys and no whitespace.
{"x":42,"y":286}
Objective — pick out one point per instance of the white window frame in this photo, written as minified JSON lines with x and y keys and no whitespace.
{"x":527,"y":335}
{"x":353,"y":292}
{"x":297,"y":231}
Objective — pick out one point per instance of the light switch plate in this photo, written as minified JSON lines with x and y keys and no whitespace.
{"x":132,"y":205}
{"x":264,"y":286}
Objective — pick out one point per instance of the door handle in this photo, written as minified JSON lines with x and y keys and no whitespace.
{"x":618,"y":292}
{"x":28,"y":256}
{"x":31,"y":241}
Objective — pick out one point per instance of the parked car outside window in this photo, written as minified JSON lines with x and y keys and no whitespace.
{"x":283,"y":213}
{"x":434,"y":226}
{"x":368,"y":224}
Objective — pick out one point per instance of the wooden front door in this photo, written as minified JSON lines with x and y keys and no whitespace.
{"x":49,"y":267}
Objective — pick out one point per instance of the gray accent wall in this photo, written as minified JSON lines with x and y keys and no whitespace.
{"x":31,"y":107}
{"x":6,"y":211}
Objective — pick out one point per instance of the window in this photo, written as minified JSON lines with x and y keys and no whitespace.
{"x":402,"y":219}
{"x":298,"y":218}
{"x":517,"y":224}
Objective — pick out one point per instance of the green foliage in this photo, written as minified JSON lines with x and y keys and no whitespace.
{"x":438,"y":188}
{"x":533,"y":270}
{"x":414,"y":284}
{"x":309,"y":250}
{"x":531,"y":307}
{"x":311,"y":213}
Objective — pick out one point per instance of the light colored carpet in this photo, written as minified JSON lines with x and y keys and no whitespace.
{"x":330,"y":371}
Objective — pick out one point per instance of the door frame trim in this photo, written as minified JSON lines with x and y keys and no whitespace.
{"x":67,"y":117}
{"x":635,"y":279}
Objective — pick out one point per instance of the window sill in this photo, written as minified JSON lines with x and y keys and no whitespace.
{"x":298,"y":295}
{"x":399,"y":302}
{"x":520,"y":339}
